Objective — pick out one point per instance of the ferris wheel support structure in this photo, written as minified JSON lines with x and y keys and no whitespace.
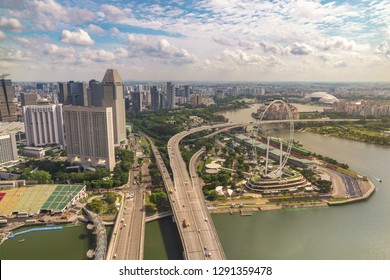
{"x":283,"y":159}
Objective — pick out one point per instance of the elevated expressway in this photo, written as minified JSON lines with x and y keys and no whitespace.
{"x":198,"y":235}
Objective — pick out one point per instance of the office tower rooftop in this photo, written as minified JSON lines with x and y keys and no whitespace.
{"x":112,"y":77}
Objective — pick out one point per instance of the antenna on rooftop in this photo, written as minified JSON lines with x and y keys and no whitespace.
{"x":3,"y":76}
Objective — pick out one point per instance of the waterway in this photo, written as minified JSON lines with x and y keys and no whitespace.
{"x":162,"y":241}
{"x":70,"y":243}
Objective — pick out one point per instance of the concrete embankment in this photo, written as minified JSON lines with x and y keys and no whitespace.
{"x":268,"y":207}
{"x":367,"y":188}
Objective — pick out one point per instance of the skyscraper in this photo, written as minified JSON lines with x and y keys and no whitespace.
{"x":113,"y":96}
{"x":187,"y":92}
{"x":7,"y":106}
{"x":155,"y":96}
{"x":8,"y":150}
{"x":73,"y":93}
{"x":63,"y":93}
{"x":171,"y":98}
{"x":96,"y":93}
{"x":136,"y":100}
{"x":44,"y":125}
{"x":89,"y":135}
{"x":28,"y":98}
{"x":197,"y":99}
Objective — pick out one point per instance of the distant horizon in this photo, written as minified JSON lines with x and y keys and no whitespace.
{"x":341,"y":41}
{"x":210,"y":81}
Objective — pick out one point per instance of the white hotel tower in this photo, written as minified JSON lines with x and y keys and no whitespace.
{"x":44,"y":125}
{"x":90,"y":135}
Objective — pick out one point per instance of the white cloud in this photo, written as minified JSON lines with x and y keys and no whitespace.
{"x":23,"y":40}
{"x":304,"y":11}
{"x":383,"y":49}
{"x":341,"y":43}
{"x":241,"y":57}
{"x":78,"y":16}
{"x":11,"y":24}
{"x":13,"y":4}
{"x":48,"y":14}
{"x":333,"y":61}
{"x":12,"y":54}
{"x":2,"y":35}
{"x":111,"y":11}
{"x":7,"y":64}
{"x":58,"y":52}
{"x":158,"y":48}
{"x":97,"y":55}
{"x":114,"y":30}
{"x":223,"y":41}
{"x":387,"y":32}
{"x":95,"y":28}
{"x":276,"y":49}
{"x":301,"y":49}
{"x":78,"y":37}
{"x":121,"y":53}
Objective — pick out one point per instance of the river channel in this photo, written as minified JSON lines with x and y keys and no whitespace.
{"x":69,"y":243}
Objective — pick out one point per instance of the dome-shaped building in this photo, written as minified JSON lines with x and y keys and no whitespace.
{"x":321,"y":97}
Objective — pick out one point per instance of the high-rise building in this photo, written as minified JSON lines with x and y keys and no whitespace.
{"x":127,"y":103}
{"x":147,"y":99}
{"x":187,"y":92}
{"x":89,"y":135}
{"x":113,"y":96}
{"x":7,"y":106}
{"x":96,"y":93}
{"x":171,"y":98}
{"x":41,"y":86}
{"x":136,"y":101}
{"x":197,"y":99}
{"x":73,"y":93}
{"x":63,"y":93}
{"x":28,"y":98}
{"x":44,"y":125}
{"x":156,"y":98}
{"x":219,"y":94}
{"x":8,"y":150}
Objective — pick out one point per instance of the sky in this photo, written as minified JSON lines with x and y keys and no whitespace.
{"x":205,"y":40}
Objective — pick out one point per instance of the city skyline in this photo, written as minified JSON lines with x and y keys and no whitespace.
{"x":338,"y":41}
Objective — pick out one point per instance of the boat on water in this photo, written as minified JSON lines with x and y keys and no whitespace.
{"x":21,"y":240}
{"x":378,"y":179}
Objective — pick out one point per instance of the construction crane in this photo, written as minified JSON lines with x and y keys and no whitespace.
{"x":3,"y":76}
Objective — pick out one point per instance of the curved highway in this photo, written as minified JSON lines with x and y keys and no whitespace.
{"x":194,"y":222}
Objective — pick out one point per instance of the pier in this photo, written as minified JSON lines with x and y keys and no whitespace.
{"x":243,"y":214}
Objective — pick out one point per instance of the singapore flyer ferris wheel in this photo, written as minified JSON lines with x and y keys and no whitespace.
{"x":284,"y":155}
